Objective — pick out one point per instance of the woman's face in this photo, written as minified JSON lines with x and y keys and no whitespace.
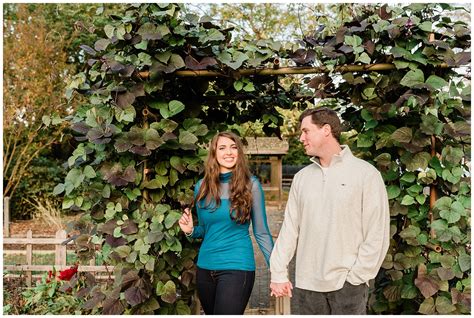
{"x":226,"y":154}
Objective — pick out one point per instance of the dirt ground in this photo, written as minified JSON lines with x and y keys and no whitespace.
{"x":39,"y":227}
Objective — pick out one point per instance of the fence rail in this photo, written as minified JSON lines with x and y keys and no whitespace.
{"x":282,"y":304}
{"x":60,"y":253}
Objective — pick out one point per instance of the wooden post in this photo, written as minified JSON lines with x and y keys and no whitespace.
{"x":91,"y":263}
{"x":276,"y":177}
{"x":60,"y":250}
{"x":432,"y":190}
{"x":280,"y":181}
{"x":29,"y":257}
{"x":282,"y":306}
{"x":6,"y":217}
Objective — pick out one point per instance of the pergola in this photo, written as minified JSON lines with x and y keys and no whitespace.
{"x":273,"y":149}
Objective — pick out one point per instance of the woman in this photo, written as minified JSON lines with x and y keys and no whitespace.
{"x":227,"y":200}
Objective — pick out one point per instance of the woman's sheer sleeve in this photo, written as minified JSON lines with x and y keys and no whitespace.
{"x":198,"y":230}
{"x":259,"y":220}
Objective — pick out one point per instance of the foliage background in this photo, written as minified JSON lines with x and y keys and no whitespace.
{"x":140,"y":131}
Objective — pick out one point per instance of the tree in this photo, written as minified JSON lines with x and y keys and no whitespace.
{"x":35,"y":70}
{"x":41,"y":50}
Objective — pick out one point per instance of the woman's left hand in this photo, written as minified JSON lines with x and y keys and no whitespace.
{"x":186,"y":221}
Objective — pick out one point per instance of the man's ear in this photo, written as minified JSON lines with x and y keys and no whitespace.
{"x":327,"y":130}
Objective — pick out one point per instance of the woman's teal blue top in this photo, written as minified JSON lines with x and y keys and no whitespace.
{"x":226,"y":244}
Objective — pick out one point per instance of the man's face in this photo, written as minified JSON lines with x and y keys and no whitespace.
{"x":312,"y":136}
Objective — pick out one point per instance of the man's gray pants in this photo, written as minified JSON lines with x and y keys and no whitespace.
{"x":349,"y":300}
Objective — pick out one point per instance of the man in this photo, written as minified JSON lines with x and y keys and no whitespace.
{"x":337,"y":219}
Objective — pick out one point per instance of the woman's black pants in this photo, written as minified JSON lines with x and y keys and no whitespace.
{"x":224,"y":292}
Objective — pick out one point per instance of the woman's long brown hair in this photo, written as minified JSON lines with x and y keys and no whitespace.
{"x":240,"y":186}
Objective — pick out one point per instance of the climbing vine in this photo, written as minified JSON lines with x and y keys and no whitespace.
{"x":141,"y":138}
{"x":412,"y":123}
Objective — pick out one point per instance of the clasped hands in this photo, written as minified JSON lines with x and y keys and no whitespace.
{"x":281,"y":289}
{"x":277,"y":289}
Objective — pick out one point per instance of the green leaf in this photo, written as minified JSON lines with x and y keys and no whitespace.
{"x":182,"y":308}
{"x":403,"y":134}
{"x":439,"y":225}
{"x":75,"y":177}
{"x":464,"y":261}
{"x":436,"y":82}
{"x":89,"y":172}
{"x":177,"y":163}
{"x":431,"y":125}
{"x":408,"y":177}
{"x":157,"y":183}
{"x":364,"y":140}
{"x":109,"y":30}
{"x":185,"y":137}
{"x":419,"y":161}
{"x":421,"y":198}
{"x":58,"y":189}
{"x":152,"y":139}
{"x":413,"y":78}
{"x":238,"y":85}
{"x":414,"y":189}
{"x":393,"y":191}
{"x":451,"y":155}
{"x":426,"y":26}
{"x":450,"y":216}
{"x":249,"y":87}
{"x":409,"y":292}
{"x":172,"y":218}
{"x":167,"y":125}
{"x":443,"y":203}
{"x":410,"y":232}
{"x":101,"y":44}
{"x":123,"y":251}
{"x":173,"y":177}
{"x":427,"y":307}
{"x":458,"y":208}
{"x":46,"y":120}
{"x":444,"y":305}
{"x":176,"y":61}
{"x":67,"y":203}
{"x":234,"y":61}
{"x":163,"y":57}
{"x":364,"y":58}
{"x":175,"y":107}
{"x":408,"y":200}
{"x":211,"y":35}
{"x":150,"y":31}
{"x":126,"y":114}
{"x":166,"y":291}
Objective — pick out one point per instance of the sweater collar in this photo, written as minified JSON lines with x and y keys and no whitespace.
{"x":225,"y":177}
{"x":344,"y":154}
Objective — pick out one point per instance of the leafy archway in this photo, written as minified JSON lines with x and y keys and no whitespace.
{"x":141,"y":135}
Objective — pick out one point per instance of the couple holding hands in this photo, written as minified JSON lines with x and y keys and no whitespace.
{"x":336,"y":220}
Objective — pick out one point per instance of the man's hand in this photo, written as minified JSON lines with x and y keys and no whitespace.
{"x":281,"y":289}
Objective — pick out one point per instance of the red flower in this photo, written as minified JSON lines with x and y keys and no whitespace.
{"x":50,"y":274}
{"x":67,"y":273}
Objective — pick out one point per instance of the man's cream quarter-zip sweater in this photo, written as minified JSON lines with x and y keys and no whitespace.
{"x":338,"y":222}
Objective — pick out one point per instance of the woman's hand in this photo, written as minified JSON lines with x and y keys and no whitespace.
{"x":186,"y":222}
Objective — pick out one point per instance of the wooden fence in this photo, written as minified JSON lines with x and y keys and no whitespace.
{"x":60,"y":253}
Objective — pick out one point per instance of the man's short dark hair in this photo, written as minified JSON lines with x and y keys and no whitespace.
{"x":322,"y":116}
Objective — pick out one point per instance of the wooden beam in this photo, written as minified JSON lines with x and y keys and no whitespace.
{"x":286,"y":70}
{"x":45,"y":268}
